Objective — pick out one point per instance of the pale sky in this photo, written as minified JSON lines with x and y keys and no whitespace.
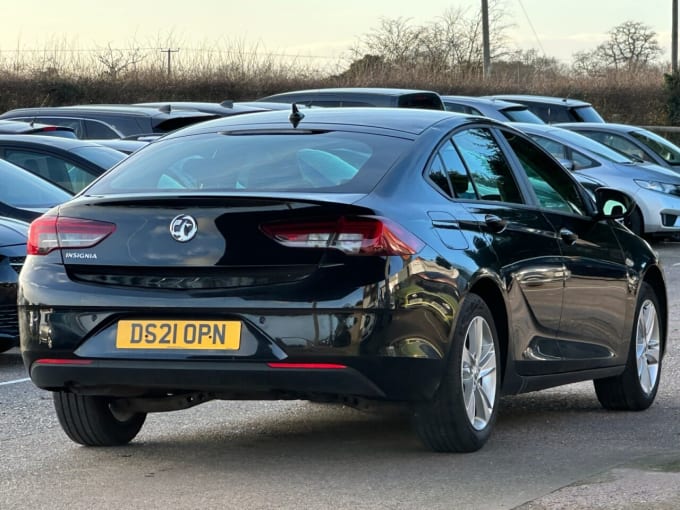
{"x":307,"y":28}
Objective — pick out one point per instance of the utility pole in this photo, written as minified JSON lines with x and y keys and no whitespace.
{"x":169,"y":51}
{"x":674,"y":39}
{"x":486,"y":69}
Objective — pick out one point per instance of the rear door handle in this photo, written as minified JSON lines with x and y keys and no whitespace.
{"x":568,"y":236}
{"x":495,"y":223}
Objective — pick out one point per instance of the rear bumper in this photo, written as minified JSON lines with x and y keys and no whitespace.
{"x":385,"y":379}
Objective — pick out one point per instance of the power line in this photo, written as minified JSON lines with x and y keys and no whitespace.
{"x":186,"y":50}
{"x":531,"y":25}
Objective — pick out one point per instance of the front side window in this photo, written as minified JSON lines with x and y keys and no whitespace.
{"x":565,"y":154}
{"x":487,"y":166}
{"x":551,"y":184}
{"x":662,"y":147}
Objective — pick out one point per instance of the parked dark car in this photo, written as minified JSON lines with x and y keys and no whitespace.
{"x":70,"y":164}
{"x":110,"y":121}
{"x":25,"y":196}
{"x":13,"y":235}
{"x":635,"y":142}
{"x":338,"y":255}
{"x":554,"y":109}
{"x":347,"y":97}
{"x":223,"y":109}
{"x":498,"y":109}
{"x":20,"y":127}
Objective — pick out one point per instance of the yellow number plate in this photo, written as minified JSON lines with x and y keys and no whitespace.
{"x":205,"y":335}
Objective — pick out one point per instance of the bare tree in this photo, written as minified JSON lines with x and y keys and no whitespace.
{"x":451,"y":43}
{"x":395,"y":40}
{"x":115,"y":61}
{"x":632,"y":46}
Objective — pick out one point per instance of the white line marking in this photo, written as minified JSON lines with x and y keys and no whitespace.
{"x":16,"y":381}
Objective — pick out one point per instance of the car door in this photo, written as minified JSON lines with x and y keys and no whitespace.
{"x":524,"y":243}
{"x":591,"y":331}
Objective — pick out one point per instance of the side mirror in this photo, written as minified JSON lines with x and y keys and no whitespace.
{"x":613,"y":204}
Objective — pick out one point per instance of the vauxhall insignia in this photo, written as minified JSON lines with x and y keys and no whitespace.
{"x":183,"y":228}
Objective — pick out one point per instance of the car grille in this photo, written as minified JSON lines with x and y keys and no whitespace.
{"x":9,"y":321}
{"x":194,"y":279}
{"x":17,"y":263}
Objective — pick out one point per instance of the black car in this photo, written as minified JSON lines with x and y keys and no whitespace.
{"x":92,"y":122}
{"x":20,"y":127}
{"x":12,"y":254}
{"x":554,"y":109}
{"x":338,"y":255}
{"x":25,"y":196}
{"x":223,"y":109}
{"x":358,"y":96}
{"x":70,"y":164}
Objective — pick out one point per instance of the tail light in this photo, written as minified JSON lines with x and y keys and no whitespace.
{"x":49,"y":233}
{"x":353,"y":236}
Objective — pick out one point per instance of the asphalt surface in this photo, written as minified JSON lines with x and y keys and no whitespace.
{"x":555,"y":449}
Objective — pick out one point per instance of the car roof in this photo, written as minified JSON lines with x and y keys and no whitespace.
{"x":486,"y":101}
{"x":600,"y":126}
{"x":540,"y":128}
{"x":223,"y":108}
{"x":564,"y":101}
{"x":120,"y":109}
{"x":356,"y":90}
{"x":10,"y":126}
{"x":405,"y":121}
{"x":53,"y":141}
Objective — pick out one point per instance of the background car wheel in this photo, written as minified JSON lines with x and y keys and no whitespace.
{"x":635,"y":388}
{"x":635,"y":222}
{"x":463,"y":412}
{"x":89,"y":420}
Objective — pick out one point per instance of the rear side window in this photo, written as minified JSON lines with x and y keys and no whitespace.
{"x":421,"y":100}
{"x":97,"y":130}
{"x":255,"y":161}
{"x":586,"y":114}
{"x":487,"y":166}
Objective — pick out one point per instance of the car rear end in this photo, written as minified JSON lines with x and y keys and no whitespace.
{"x":12,"y":255}
{"x":213,"y":266}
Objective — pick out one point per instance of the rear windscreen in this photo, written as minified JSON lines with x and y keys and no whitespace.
{"x":421,"y":100}
{"x":343,"y":162}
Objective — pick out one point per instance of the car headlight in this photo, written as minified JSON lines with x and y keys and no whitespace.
{"x":663,"y":187}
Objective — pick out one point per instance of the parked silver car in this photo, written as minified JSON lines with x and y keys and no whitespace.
{"x":656,"y":190}
{"x":505,"y":111}
{"x":635,"y":142}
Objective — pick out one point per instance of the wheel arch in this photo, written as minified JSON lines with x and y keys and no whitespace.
{"x":654,"y":278}
{"x":490,"y":292}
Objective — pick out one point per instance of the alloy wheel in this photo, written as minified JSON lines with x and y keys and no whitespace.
{"x":647,"y":346}
{"x":479,"y":373}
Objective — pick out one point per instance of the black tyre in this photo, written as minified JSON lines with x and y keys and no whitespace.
{"x":89,"y":420}
{"x":463,"y":411}
{"x":635,"y":222}
{"x":635,"y":388}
